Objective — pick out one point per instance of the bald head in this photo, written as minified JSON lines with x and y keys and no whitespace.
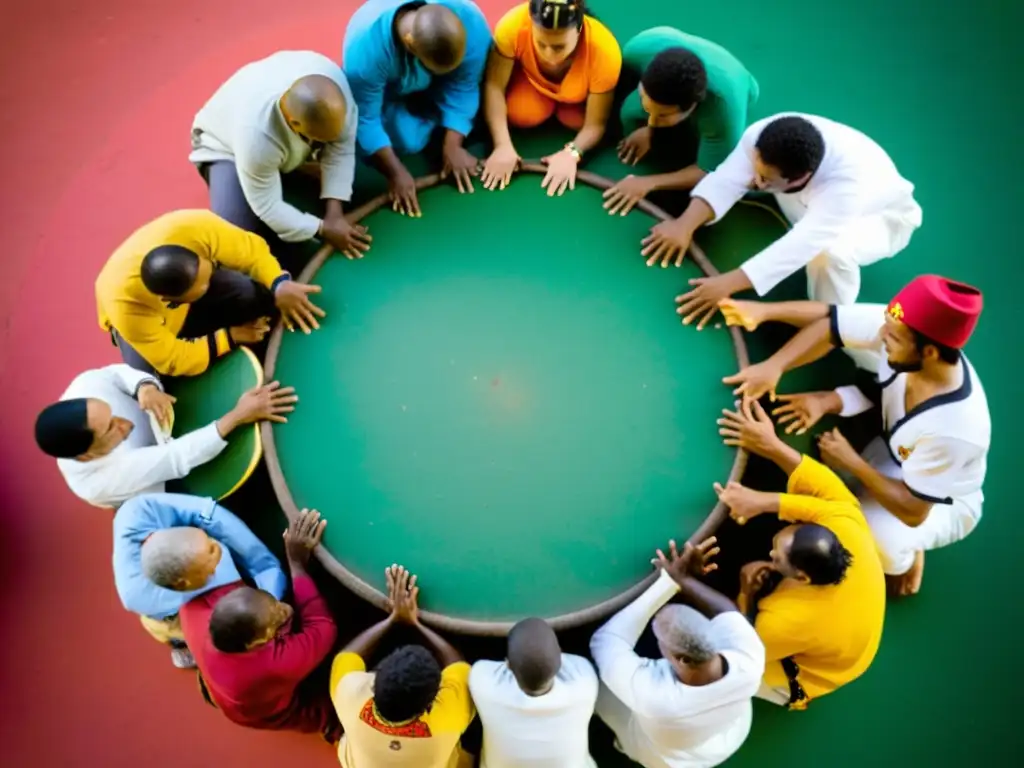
{"x":241,"y":618}
{"x":438,"y":38}
{"x":181,"y":558}
{"x":315,"y":107}
{"x":534,"y":655}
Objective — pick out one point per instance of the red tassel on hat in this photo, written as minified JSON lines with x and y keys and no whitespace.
{"x":942,"y":309}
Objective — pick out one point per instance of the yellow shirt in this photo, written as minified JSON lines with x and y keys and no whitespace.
{"x":595,"y":67}
{"x":145,"y":320}
{"x":832,"y":632}
{"x":429,"y":741}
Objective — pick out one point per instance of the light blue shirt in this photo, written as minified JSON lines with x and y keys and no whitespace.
{"x":143,"y":515}
{"x":379,"y":69}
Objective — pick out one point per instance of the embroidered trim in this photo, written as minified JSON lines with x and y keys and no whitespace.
{"x":412,"y":729}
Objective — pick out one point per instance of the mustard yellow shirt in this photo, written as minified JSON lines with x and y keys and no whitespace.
{"x":428,"y":741}
{"x":145,"y":320}
{"x":832,"y":632}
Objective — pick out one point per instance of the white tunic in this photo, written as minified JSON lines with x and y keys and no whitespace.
{"x":939,"y":449}
{"x":242,"y":123}
{"x":660,"y":722}
{"x":142,"y":463}
{"x":548,"y":731}
{"x":855,"y":210}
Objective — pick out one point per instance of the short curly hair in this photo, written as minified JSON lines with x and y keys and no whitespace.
{"x":676,"y":77}
{"x":406,"y":683}
{"x":793,"y":145}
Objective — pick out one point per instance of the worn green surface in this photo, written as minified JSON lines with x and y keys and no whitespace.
{"x":517,"y":414}
{"x":937,"y":85}
{"x":204,"y":399}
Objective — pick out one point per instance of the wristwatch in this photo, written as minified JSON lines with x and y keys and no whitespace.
{"x":573,"y":150}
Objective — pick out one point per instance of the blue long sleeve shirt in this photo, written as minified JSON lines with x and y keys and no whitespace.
{"x":379,"y":68}
{"x":143,"y":515}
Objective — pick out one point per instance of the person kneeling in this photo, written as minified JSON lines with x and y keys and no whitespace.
{"x":414,"y":708}
{"x":819,"y":605}
{"x":251,"y":657}
{"x":536,"y":705}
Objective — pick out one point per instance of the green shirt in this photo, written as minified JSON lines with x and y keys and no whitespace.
{"x":722,"y":117}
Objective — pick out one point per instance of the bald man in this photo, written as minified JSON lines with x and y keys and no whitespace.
{"x":254,"y":652}
{"x":170,"y":548}
{"x":270,"y":118}
{"x":536,"y":705}
{"x":416,"y":67}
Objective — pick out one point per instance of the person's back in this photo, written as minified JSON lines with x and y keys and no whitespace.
{"x":248,"y":100}
{"x":247,"y":687}
{"x":692,"y":723}
{"x":428,"y":741}
{"x":835,"y":629}
{"x":522,"y":731}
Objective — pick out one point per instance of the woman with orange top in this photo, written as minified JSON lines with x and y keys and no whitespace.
{"x":550,"y":59}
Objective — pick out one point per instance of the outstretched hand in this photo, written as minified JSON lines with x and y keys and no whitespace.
{"x":693,"y":561}
{"x":292,"y":299}
{"x":749,"y":428}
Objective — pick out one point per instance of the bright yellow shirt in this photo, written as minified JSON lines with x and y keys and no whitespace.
{"x":596,"y":64}
{"x":145,"y":320}
{"x":831,"y":632}
{"x":428,"y":741}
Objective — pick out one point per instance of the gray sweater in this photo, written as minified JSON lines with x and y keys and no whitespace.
{"x":242,"y":122}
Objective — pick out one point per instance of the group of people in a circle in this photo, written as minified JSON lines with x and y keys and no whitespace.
{"x":420,"y":77}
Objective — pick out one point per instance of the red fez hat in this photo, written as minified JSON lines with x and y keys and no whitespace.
{"x":943,"y":310}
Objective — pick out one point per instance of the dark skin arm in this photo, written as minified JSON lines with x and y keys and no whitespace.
{"x":401,"y":184}
{"x":365,"y":643}
{"x":894,"y":495}
{"x":686,"y":567}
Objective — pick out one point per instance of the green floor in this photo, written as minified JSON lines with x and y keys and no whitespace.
{"x":936,"y":84}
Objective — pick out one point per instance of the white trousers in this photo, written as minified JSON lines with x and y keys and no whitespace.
{"x":773,"y":695}
{"x":833,"y":277}
{"x":898,"y":542}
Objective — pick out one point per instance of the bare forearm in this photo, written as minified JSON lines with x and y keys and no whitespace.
{"x":697,"y":214}
{"x":496,"y":113}
{"x":799,"y":314}
{"x":891,"y":494}
{"x":708,"y":601}
{"x":386,"y":161}
{"x":809,"y":344}
{"x":453,"y":139}
{"x":228,"y":423}
{"x":333,"y":209}
{"x":442,"y":649}
{"x":589,"y":137}
{"x":785,"y":458}
{"x":684,"y":179}
{"x":363,"y":645}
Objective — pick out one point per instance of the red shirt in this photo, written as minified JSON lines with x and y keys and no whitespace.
{"x":257,"y":688}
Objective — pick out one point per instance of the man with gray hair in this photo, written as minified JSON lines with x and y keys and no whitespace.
{"x":692,"y":707}
{"x":536,"y":705}
{"x":169,"y":548}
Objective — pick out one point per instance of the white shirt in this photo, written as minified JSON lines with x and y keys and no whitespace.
{"x":548,"y":731}
{"x":682,"y":724}
{"x":242,"y":122}
{"x":942,"y":445}
{"x":142,"y":463}
{"x":856,"y":178}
